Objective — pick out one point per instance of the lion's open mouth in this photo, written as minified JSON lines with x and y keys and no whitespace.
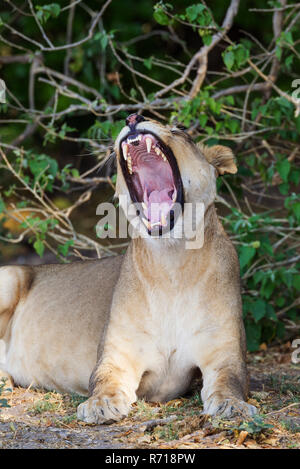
{"x":153,"y":178}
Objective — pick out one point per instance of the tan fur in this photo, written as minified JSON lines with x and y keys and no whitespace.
{"x":220,"y":157}
{"x":155,"y":316}
{"x":51,"y":337}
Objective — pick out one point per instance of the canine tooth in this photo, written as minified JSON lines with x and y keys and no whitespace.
{"x":140,"y":137}
{"x":148,"y":144}
{"x":125,"y":150}
{"x":144,"y":206}
{"x":129,"y":164}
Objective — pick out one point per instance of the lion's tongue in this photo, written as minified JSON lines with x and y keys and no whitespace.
{"x":159,"y":202}
{"x":156,"y":181}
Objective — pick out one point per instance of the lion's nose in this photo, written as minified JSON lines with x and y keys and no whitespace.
{"x":133,"y":120}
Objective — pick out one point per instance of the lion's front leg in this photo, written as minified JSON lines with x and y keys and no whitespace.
{"x":114,"y":383}
{"x":224,"y":392}
{"x":105,"y":408}
{"x":225,"y":379}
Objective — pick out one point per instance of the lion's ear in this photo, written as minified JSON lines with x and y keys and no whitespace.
{"x":220,"y":157}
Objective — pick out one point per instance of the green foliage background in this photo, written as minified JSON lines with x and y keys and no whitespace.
{"x":135,"y":49}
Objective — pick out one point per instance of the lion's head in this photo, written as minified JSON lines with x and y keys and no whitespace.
{"x":159,"y":166}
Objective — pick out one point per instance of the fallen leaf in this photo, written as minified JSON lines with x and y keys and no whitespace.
{"x":175,"y":403}
{"x":144,"y":439}
{"x":125,"y":433}
{"x":224,"y":441}
{"x":242,"y":437}
{"x":263,"y":346}
{"x":251,"y":444}
{"x":271,"y":441}
{"x":253,"y":402}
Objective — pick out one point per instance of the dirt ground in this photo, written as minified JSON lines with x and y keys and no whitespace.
{"x":41,"y":419}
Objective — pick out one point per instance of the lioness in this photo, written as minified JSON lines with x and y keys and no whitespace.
{"x":141,"y":325}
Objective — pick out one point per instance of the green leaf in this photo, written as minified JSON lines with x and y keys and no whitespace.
{"x":44,"y":169}
{"x":255,"y":425}
{"x":296,"y":210}
{"x":289,"y":61}
{"x":294,"y":176}
{"x":287,"y":37}
{"x":64,"y":248}
{"x":278,"y":52}
{"x":296,"y":282}
{"x":241,"y":55}
{"x":246,"y":253}
{"x":253,"y":334}
{"x":228,"y":58}
{"x":203,"y":118}
{"x":258,"y":309}
{"x":39,"y":247}
{"x":75,"y":173}
{"x":148,"y":63}
{"x":64,"y":129}
{"x":230,"y":100}
{"x":207,"y":38}
{"x":271,"y":313}
{"x":235,"y":56}
{"x":161,"y":17}
{"x":2,"y":205}
{"x":103,"y":38}
{"x":255,"y":244}
{"x":193,"y":11}
{"x":46,"y":11}
{"x":280,"y":301}
{"x":283,"y":167}
{"x":280,"y":330}
{"x":4,"y":403}
{"x":284,"y":188}
{"x":233,"y":125}
{"x":267,"y":289}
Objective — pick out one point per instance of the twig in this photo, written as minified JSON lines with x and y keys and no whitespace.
{"x":269,"y":80}
{"x":39,"y":25}
{"x":203,"y":53}
{"x":294,"y":404}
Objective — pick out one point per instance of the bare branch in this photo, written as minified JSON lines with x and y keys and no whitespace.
{"x":203,"y":53}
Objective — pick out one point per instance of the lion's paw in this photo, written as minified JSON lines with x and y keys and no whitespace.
{"x":229,"y":408}
{"x":103,"y":410}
